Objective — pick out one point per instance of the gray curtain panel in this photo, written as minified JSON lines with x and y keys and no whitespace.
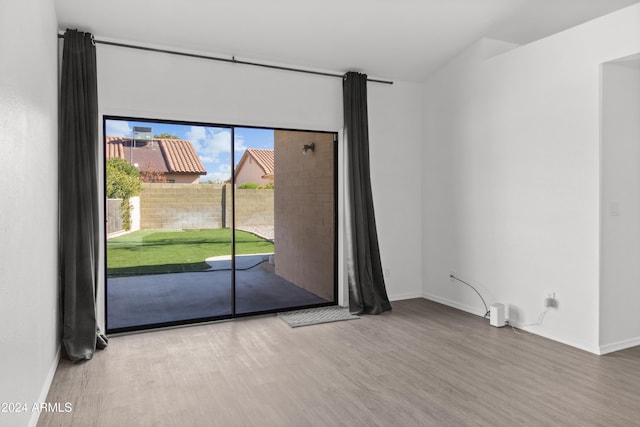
{"x":78,"y":195}
{"x":367,"y":292}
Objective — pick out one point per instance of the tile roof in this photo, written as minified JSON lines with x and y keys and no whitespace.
{"x":264,"y":158}
{"x":181,"y":157}
{"x":162,"y":155}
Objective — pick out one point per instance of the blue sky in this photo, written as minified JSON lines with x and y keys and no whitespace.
{"x":213,"y":144}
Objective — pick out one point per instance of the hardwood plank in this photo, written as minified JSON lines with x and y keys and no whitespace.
{"x":421,"y":364}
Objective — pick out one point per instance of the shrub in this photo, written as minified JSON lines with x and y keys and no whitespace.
{"x":123,"y":182}
{"x":249,"y":186}
{"x":254,"y":186}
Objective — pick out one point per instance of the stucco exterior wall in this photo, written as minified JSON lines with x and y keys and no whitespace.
{"x":176,"y":178}
{"x":251,"y":172}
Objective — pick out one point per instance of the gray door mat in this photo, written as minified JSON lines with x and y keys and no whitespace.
{"x":314,"y":316}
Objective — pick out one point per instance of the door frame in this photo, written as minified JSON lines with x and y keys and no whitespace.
{"x":233,"y":314}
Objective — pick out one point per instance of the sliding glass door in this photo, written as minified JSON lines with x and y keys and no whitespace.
{"x":207,"y":222}
{"x":285,"y":194}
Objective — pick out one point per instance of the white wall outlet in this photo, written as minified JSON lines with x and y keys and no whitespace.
{"x":387,"y":273}
{"x":550,"y":301}
{"x":614,"y":208}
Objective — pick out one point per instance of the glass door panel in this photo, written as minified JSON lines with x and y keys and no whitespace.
{"x":169,"y":254}
{"x":284,"y":194}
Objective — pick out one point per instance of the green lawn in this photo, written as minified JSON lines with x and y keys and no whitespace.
{"x":167,"y":251}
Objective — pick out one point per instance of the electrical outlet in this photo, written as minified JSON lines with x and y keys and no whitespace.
{"x":550,"y":301}
{"x":387,"y":273}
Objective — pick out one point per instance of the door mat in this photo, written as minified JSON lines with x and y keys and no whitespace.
{"x":314,"y":316}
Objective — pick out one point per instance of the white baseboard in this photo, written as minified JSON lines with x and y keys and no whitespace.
{"x":35,"y":415}
{"x":620,"y":345}
{"x":589,"y":349}
{"x":532,"y":330}
{"x":400,"y":297}
{"x":467,"y":308}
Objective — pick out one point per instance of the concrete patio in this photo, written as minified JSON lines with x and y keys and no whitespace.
{"x":161,"y":298}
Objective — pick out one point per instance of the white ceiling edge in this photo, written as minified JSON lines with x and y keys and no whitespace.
{"x":631,"y":61}
{"x":403,"y":40}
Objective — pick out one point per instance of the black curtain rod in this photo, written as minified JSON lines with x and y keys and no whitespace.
{"x":232,"y":60}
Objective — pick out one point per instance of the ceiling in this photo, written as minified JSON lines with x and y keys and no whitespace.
{"x":391,"y":39}
{"x":632,"y":61}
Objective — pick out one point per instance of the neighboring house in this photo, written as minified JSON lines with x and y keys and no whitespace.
{"x":257,"y":166}
{"x":165,"y":160}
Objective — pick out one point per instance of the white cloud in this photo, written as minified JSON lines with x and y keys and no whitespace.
{"x":118,"y":128}
{"x":240,"y":144}
{"x":222,"y":173}
{"x":211,"y":142}
{"x":196,"y":133}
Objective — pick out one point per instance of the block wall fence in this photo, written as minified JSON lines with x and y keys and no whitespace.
{"x":197,"y":206}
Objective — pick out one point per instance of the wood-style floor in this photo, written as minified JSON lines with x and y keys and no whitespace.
{"x":423,"y":364}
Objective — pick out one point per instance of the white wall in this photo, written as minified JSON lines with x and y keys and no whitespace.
{"x":134,"y":202}
{"x":29,"y":323}
{"x":153,"y":85}
{"x":395,"y":133}
{"x":620,"y":266}
{"x":511,"y":179}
